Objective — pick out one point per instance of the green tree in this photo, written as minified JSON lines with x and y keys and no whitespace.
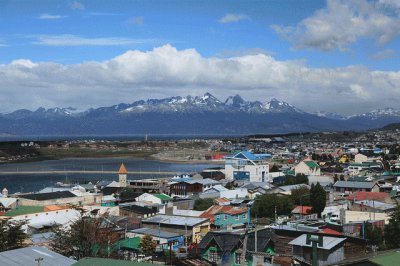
{"x":372,"y":234}
{"x":392,"y":230}
{"x":317,"y":198}
{"x":148,"y":245}
{"x":300,"y":196}
{"x":12,"y":235}
{"x":203,"y":204}
{"x":128,"y":194}
{"x":264,"y":205}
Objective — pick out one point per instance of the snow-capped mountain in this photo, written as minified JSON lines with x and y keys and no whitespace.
{"x":208,"y":102}
{"x":189,"y":115}
{"x":331,"y":115}
{"x":379,"y":113}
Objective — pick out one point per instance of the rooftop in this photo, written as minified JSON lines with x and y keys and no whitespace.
{"x":154,"y":232}
{"x":48,"y":196}
{"x":109,"y":262}
{"x":352,"y":184}
{"x":26,"y":256}
{"x":328,"y":242}
{"x":22,"y":210}
{"x":122,"y":169}
{"x":175,"y":220}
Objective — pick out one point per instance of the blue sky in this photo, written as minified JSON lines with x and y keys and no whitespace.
{"x":79,"y":53}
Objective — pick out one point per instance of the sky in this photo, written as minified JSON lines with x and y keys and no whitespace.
{"x":337,"y":55}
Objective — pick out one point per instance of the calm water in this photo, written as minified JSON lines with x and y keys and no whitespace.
{"x":28,"y":183}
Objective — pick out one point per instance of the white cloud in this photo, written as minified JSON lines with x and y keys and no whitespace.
{"x":138,"y":20}
{"x":342,"y":23}
{"x":77,"y":6}
{"x":48,"y":16}
{"x":166,"y":71}
{"x":384,"y":54}
{"x":73,"y":40}
{"x":230,"y":18}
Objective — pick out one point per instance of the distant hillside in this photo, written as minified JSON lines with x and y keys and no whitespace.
{"x":188,"y":115}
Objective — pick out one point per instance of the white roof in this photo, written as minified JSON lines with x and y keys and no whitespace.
{"x":328,"y":242}
{"x":114,"y":184}
{"x":6,"y":202}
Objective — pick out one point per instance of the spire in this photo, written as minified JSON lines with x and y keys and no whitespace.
{"x":122,"y":169}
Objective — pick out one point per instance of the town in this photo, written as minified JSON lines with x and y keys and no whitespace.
{"x":297,"y":199}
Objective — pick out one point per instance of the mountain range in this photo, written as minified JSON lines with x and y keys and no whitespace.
{"x":188,"y":115}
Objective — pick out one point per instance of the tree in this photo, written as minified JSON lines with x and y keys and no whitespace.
{"x":392,"y":230}
{"x":300,"y":196}
{"x":372,"y":234}
{"x":274,"y":168}
{"x":203,"y":204}
{"x":87,"y":236}
{"x":317,"y":198}
{"x":147,"y":245}
{"x":127,"y":194}
{"x":12,"y":235}
{"x":264,"y":205}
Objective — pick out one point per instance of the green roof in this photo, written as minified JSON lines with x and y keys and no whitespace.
{"x":311,"y":164}
{"x":387,"y":259}
{"x":163,"y":197}
{"x":22,"y":210}
{"x":108,"y":262}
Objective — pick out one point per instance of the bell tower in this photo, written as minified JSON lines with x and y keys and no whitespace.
{"x":122,"y":175}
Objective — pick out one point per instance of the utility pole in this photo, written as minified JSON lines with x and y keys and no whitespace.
{"x":244,"y":250}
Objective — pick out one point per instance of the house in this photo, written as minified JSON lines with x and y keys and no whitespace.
{"x":156,"y":198}
{"x":307,"y":167}
{"x":7,"y":204}
{"x":303,"y":212}
{"x":330,"y":251}
{"x":226,"y":216}
{"x":164,"y":239}
{"x":360,"y":158}
{"x":225,"y":248}
{"x":58,"y":198}
{"x":229,"y":193}
{"x":349,"y":187}
{"x":136,"y":211}
{"x":193,"y":228}
{"x":187,"y":188}
{"x":245,"y":165}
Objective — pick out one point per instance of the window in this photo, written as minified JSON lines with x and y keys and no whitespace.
{"x":238,"y":258}
{"x":216,"y":217}
{"x":237,"y":217}
{"x":225,"y":217}
{"x":244,"y":215}
{"x":213,"y":256}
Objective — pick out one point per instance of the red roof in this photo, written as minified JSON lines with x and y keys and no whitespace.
{"x":363,"y":195}
{"x":122,"y":169}
{"x":222,"y":201}
{"x":216,"y":209}
{"x":302,"y":210}
{"x":329,"y":231}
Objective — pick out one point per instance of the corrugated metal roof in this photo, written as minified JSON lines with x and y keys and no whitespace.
{"x":27,"y":256}
{"x":328,"y":242}
{"x":354,"y":184}
{"x":175,"y":220}
{"x":154,"y":232}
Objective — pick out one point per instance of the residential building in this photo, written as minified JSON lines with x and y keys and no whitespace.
{"x":188,"y":188}
{"x":330,"y":251}
{"x":227,"y":217}
{"x":164,"y":239}
{"x":193,"y":228}
{"x":245,"y":165}
{"x":349,"y":187}
{"x":136,"y":211}
{"x":156,"y":198}
{"x":307,"y":167}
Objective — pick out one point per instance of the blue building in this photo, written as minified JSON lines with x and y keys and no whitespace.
{"x":245,"y":165}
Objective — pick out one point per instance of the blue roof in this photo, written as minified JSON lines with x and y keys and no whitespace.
{"x":250,"y":156}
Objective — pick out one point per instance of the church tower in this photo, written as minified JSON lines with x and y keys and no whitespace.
{"x":122,"y":175}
